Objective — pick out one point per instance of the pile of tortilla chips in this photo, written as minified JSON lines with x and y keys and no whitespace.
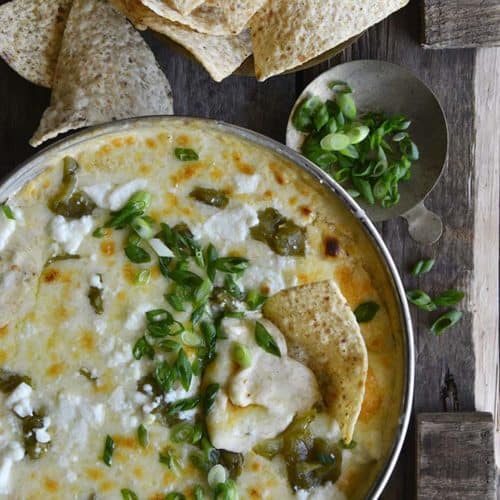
{"x":100,"y":69}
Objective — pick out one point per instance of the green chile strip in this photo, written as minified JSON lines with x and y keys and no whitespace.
{"x":143,"y":436}
{"x":366,"y":311}
{"x":186,"y":154}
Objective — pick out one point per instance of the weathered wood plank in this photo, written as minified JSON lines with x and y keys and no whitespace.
{"x":451,"y":75}
{"x":455,"y":456}
{"x":461,"y":23}
{"x":484,"y":297}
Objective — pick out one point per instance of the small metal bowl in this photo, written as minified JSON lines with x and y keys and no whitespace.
{"x":382,"y":86}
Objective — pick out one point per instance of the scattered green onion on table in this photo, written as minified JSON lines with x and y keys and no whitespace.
{"x":369,"y":153}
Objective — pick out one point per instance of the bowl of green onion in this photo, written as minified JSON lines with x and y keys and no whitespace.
{"x":381,"y":133}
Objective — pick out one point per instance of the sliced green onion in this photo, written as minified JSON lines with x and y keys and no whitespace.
{"x":216,"y":475}
{"x":347,"y":105}
{"x":449,"y":298}
{"x":320,"y":118}
{"x":142,"y":228}
{"x":226,"y":491}
{"x":209,"y":397}
{"x":143,"y":348}
{"x":175,"y":495}
{"x":7,"y":211}
{"x":255,"y":299}
{"x":358,"y":134}
{"x":190,"y":338}
{"x":143,"y":436}
{"x":197,"y":433}
{"x":366,"y":311}
{"x":168,"y":345}
{"x":339,"y":86}
{"x":182,"y":432}
{"x":446,"y":321}
{"x":197,"y":314}
{"x":186,"y":154}
{"x":350,"y":151}
{"x":169,"y":458}
{"x":335,"y":142}
{"x":303,"y":116}
{"x":241,"y":355}
{"x":158,"y":315}
{"x":183,"y":405}
{"x":165,"y":375}
{"x":143,"y":277}
{"x":109,"y":448}
{"x":231,"y":264}
{"x":422,"y":267}
{"x":137,"y":254}
{"x":141,"y":197}
{"x":364,"y":188}
{"x":420,"y":299}
{"x":184,"y":370}
{"x":128,"y":494}
{"x":203,"y":291}
{"x":99,"y":233}
{"x":175,"y":301}
{"x":198,"y":493}
{"x":265,"y":340}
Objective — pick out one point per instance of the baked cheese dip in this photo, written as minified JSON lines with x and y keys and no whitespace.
{"x":185,"y":314}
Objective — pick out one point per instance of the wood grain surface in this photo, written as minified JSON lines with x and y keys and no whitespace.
{"x":264,"y":107}
{"x":468,"y":438}
{"x":460,"y":23}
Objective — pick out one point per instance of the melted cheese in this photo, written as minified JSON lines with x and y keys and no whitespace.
{"x":49,"y":331}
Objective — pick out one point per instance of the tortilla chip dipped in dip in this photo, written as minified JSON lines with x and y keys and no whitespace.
{"x":30,"y":37}
{"x":105,"y":71}
{"x":323,"y":333}
{"x":180,"y":318}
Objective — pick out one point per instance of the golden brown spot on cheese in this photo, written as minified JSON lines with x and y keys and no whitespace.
{"x":292,"y":200}
{"x":302,"y":278}
{"x":150,"y":143}
{"x":279,"y":176}
{"x":168,"y":477}
{"x":305,"y":210}
{"x":51,"y":485}
{"x":108,"y":248}
{"x":264,"y":289}
{"x":3,"y":356}
{"x":117,"y":142}
{"x":138,"y":472}
{"x":256,"y":466}
{"x":332,"y":246}
{"x":155,"y":272}
{"x":50,"y":276}
{"x":130,"y":140}
{"x":121,"y":296}
{"x":373,"y":397}
{"x":163,"y":137}
{"x":254,"y":493}
{"x":129,"y":272}
{"x":94,"y":473}
{"x":56,"y":369}
{"x":46,"y":184}
{"x":244,"y":168}
{"x":268,"y":194}
{"x":87,"y":341}
{"x":183,"y":140}
{"x":145,"y":169}
{"x":104,"y":150}
{"x":3,"y":331}
{"x":126,"y":442}
{"x":107,"y":486}
{"x":187,"y":211}
{"x":186,"y":172}
{"x":216,"y":173}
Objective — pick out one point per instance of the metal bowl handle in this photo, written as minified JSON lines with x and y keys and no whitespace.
{"x":424,"y":226}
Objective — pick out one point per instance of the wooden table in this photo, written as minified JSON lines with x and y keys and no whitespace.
{"x":466,"y":197}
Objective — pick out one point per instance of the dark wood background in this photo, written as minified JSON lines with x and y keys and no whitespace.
{"x":264,"y":107}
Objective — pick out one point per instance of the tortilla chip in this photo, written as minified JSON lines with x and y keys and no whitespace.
{"x":239,"y":12}
{"x":322,"y":332}
{"x":287,"y":33}
{"x":219,"y":55}
{"x":105,"y":72}
{"x":185,"y":6}
{"x":207,"y":18}
{"x":30,"y":37}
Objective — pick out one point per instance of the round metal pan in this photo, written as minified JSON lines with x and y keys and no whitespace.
{"x":34,"y":166}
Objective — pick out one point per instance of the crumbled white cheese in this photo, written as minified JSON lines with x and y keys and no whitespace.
{"x":152,"y":405}
{"x":245,"y":184}
{"x":122,"y":194}
{"x":178,"y":392}
{"x":41,"y":434}
{"x":137,"y":318}
{"x":7,"y":228}
{"x":231,"y":225}
{"x":70,"y":233}
{"x":160,"y":248}
{"x":120,"y":357}
{"x":327,"y":491}
{"x":71,"y":477}
{"x":11,"y":454}
{"x":19,"y":400}
{"x":96,"y":281}
{"x":99,"y":194}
